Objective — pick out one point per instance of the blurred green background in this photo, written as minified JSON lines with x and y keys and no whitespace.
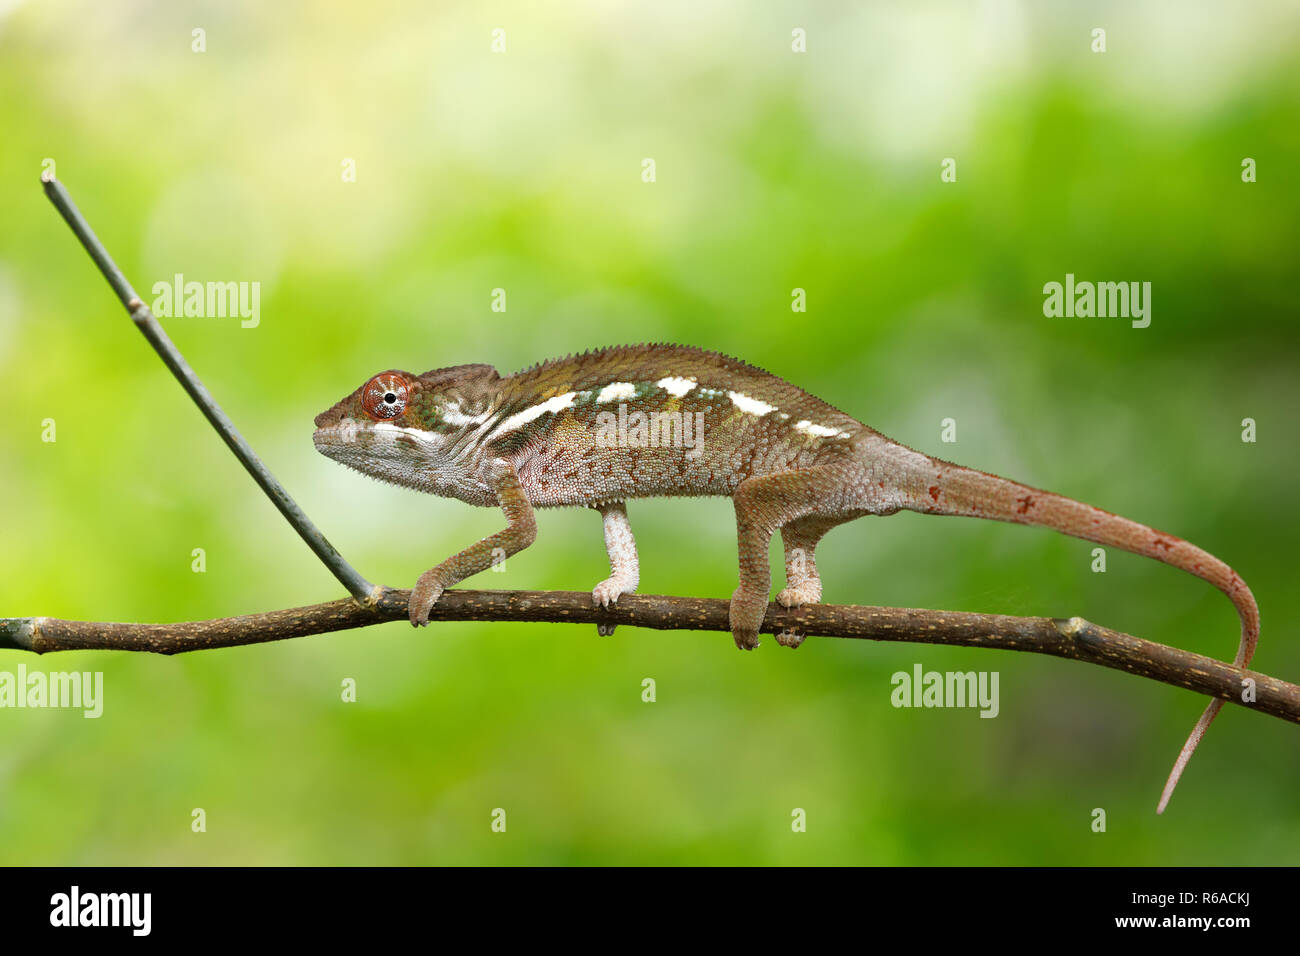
{"x":522,"y":170}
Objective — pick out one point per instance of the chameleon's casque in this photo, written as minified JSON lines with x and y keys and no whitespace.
{"x":596,"y":429}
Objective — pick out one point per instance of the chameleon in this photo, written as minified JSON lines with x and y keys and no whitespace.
{"x":657,"y":420}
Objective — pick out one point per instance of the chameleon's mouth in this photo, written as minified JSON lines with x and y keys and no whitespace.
{"x":357,"y":445}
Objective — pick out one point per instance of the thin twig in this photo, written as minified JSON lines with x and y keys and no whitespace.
{"x":1072,"y":638}
{"x":356,"y":585}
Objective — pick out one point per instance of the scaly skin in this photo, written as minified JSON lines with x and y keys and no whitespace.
{"x":565,"y":433}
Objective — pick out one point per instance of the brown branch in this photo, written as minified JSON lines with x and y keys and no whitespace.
{"x":1072,"y":638}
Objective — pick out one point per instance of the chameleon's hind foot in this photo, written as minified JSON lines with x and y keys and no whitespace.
{"x":746,"y":615}
{"x":424,"y":596}
{"x":805,"y":591}
{"x":808,"y":591}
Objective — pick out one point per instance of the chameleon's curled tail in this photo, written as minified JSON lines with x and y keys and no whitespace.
{"x":953,"y":490}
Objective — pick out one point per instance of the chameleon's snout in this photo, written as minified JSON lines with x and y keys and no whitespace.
{"x":330,"y":417}
{"x":338,"y":435}
{"x":326,"y":436}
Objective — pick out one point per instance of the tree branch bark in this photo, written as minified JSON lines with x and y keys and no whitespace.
{"x":1072,"y":638}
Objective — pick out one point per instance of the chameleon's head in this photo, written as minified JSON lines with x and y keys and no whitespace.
{"x":413,"y":430}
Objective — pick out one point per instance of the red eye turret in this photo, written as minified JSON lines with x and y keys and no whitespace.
{"x":384,"y":397}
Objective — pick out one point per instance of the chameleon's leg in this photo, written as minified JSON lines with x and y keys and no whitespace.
{"x":520,"y":531}
{"x":764,"y":504}
{"x":625,"y":572}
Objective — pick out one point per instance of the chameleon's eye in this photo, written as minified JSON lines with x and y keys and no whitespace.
{"x":384,"y":396}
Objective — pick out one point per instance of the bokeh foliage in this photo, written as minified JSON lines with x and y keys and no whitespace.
{"x":522,"y":171}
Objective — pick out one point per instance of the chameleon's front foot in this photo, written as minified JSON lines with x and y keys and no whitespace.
{"x":424,"y":596}
{"x":746,"y":616}
{"x":608,"y":592}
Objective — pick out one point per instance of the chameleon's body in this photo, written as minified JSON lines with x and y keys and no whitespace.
{"x":567,"y":432}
